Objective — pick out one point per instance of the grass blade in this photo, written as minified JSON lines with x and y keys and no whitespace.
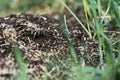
{"x":77,"y":19}
{"x":20,"y":62}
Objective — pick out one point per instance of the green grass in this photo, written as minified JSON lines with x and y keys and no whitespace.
{"x":22,"y":75}
{"x":69,"y":68}
{"x":110,"y":69}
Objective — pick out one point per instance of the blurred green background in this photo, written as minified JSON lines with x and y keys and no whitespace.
{"x":50,"y":7}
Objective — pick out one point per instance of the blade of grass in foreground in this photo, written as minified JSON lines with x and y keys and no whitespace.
{"x":110,"y":61}
{"x":98,"y":29}
{"x":116,"y":11}
{"x":20,"y":62}
{"x":89,"y":33}
{"x":109,"y":53}
{"x":87,"y":13}
{"x":71,"y":47}
{"x":68,"y":37}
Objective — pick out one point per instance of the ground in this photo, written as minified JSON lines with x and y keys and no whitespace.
{"x":40,"y":38}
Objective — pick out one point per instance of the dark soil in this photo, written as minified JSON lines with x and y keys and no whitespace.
{"x":38,"y":37}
